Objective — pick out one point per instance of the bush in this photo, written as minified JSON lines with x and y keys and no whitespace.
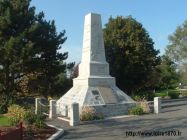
{"x":39,"y":121}
{"x":6,"y":102}
{"x":29,"y":117}
{"x":32,"y":119}
{"x":89,"y":113}
{"x":39,"y":124}
{"x":14,"y":120}
{"x":137,"y":110}
{"x":173,"y":94}
{"x":137,"y":97}
{"x":19,"y":114}
{"x":3,"y":108}
{"x":145,"y":106}
{"x":149,"y":96}
{"x":16,"y":113}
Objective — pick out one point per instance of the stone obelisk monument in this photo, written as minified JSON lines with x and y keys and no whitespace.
{"x":94,"y":86}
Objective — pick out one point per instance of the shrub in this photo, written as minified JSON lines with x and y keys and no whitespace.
{"x":137,"y":97}
{"x":19,"y":114}
{"x":29,"y":117}
{"x":143,"y":95}
{"x":39,"y":124}
{"x":3,"y":108}
{"x":39,"y":121}
{"x":41,"y":117}
{"x":137,"y":110}
{"x":149,"y":96}
{"x":173,"y":94}
{"x":32,"y":119}
{"x":6,"y":102}
{"x":145,"y":106}
{"x":89,"y":113}
{"x":16,"y":113}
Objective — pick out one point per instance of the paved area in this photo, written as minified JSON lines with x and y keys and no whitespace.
{"x":171,"y":121}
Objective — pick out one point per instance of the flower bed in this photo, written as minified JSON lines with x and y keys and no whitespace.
{"x":33,"y":134}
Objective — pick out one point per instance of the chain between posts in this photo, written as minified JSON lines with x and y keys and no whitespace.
{"x":43,"y":104}
{"x":45,"y":107}
{"x":68,"y":107}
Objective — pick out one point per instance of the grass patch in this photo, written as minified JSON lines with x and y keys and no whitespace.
{"x":161,"y":94}
{"x":172,"y":93}
{"x":4,"y":121}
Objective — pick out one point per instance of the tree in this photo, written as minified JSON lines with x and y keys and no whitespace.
{"x":130,"y":53}
{"x":177,"y":48}
{"x":183,"y":73}
{"x":29,"y":45}
{"x":169,"y":77}
{"x":75,"y":72}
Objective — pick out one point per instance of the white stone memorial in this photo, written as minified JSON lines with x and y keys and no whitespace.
{"x":94,"y":86}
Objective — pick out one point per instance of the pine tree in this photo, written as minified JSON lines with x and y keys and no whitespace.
{"x":29,"y":45}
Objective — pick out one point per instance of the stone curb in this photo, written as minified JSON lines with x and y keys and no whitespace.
{"x":108,"y":118}
{"x":59,"y":133}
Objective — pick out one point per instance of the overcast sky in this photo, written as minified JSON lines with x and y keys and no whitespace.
{"x":159,"y":17}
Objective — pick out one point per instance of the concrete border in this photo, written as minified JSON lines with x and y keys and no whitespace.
{"x":59,"y":133}
{"x":108,"y":118}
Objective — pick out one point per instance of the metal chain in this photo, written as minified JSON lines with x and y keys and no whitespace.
{"x":43,"y":104}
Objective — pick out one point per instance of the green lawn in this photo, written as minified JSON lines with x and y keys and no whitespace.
{"x":161,"y":94}
{"x":164,"y":93}
{"x":4,"y":121}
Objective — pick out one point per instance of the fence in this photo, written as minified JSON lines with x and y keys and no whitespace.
{"x":63,"y":110}
{"x":16,"y":134}
{"x":41,"y":108}
{"x":69,"y":113}
{"x":72,"y":111}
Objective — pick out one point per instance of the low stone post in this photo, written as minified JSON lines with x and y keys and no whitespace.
{"x":37,"y":105}
{"x":157,"y":105}
{"x":74,"y":114}
{"x":66,"y":111}
{"x":52,"y":109}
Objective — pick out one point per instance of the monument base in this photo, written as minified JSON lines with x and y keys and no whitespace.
{"x":110,"y":110}
{"x":108,"y":100}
